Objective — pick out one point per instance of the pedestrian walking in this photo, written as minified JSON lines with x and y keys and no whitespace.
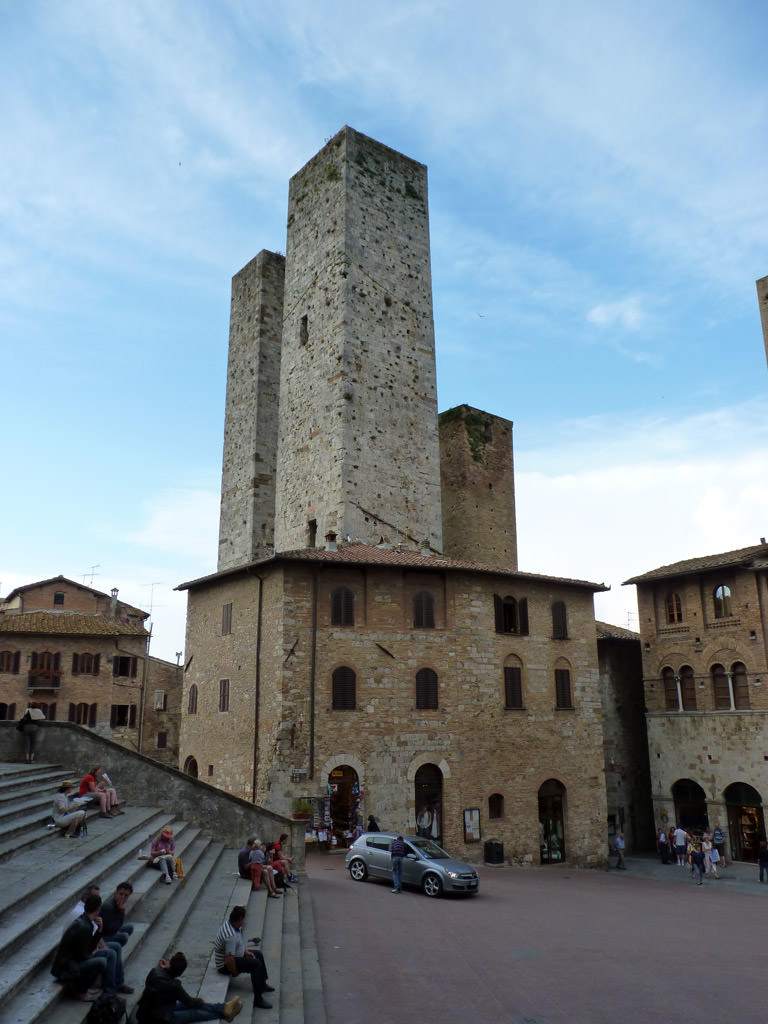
{"x":718,"y":840}
{"x":619,"y":848}
{"x":397,"y":851}
{"x":697,"y":863}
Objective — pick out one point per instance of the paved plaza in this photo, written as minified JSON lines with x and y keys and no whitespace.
{"x":545,"y":946}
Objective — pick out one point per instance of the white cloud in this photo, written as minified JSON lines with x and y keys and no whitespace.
{"x":627,"y":313}
{"x":181,"y":522}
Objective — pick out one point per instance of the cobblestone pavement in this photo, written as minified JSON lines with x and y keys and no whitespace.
{"x":544,"y":946}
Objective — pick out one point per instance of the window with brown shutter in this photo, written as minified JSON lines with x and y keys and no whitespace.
{"x":343,"y":689}
{"x":342,"y":607}
{"x":426,"y":689}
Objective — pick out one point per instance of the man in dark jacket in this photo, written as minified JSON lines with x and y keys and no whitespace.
{"x":114,"y":925}
{"x":75,"y":964}
{"x":397,"y":852}
{"x":164,"y":1000}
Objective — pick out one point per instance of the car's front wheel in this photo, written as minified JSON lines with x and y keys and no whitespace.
{"x":358,"y":870}
{"x":431,"y":884}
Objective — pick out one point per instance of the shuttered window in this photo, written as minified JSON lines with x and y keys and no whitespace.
{"x":343,"y":685}
{"x":423,"y":610}
{"x":342,"y":607}
{"x":513,"y":687}
{"x":563,"y":688}
{"x":426,"y":689}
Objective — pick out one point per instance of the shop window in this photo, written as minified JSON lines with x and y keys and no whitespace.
{"x":343,"y":686}
{"x":688,"y":688}
{"x":721,"y":691}
{"x":563,"y":688}
{"x":342,"y":607}
{"x":513,"y":687}
{"x":162,"y":740}
{"x":10,"y":661}
{"x":124,"y":665}
{"x":122,"y":716}
{"x":511,"y":615}
{"x":674,"y":608}
{"x":223,"y":695}
{"x":192,"y":705}
{"x":7,"y":712}
{"x":161,"y":700}
{"x":495,"y":805}
{"x":559,"y":621}
{"x":722,"y":598}
{"x":426,"y":689}
{"x":226,"y":619}
{"x":671,"y":701}
{"x":423,"y":610}
{"x":86,"y":664}
{"x":740,"y":686}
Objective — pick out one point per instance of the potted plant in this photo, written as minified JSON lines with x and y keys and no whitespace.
{"x":302,"y":808}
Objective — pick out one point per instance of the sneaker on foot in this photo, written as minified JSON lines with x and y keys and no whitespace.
{"x":232,"y":1008}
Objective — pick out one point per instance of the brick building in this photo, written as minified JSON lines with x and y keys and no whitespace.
{"x":82,"y":656}
{"x":704,"y":635}
{"x":368,"y":642}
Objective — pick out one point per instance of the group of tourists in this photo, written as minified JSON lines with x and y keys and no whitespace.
{"x":267,"y":863}
{"x":89,"y":963}
{"x":702,"y":855}
{"x":72,"y":799}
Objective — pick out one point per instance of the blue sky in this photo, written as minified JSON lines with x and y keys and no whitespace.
{"x":599,"y":215}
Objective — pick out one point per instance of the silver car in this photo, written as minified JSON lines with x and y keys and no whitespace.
{"x":425,"y":865}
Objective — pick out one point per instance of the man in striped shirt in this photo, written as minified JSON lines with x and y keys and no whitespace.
{"x":231,"y":957}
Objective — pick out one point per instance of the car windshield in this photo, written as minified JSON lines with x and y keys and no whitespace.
{"x":429,"y":850}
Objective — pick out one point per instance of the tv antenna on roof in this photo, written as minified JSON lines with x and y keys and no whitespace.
{"x":92,"y":572}
{"x":157,"y":583}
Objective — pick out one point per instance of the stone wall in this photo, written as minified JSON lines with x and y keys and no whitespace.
{"x":762,"y":301}
{"x":358,"y":450}
{"x":477,"y":478}
{"x":246,"y":528}
{"x":162,"y":725}
{"x":141,"y":780}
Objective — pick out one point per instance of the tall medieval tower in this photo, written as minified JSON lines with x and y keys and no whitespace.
{"x":358,"y":450}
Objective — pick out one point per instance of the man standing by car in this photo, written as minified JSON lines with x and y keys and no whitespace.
{"x":397,"y":852}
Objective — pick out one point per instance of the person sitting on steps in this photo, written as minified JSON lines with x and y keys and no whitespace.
{"x":165,"y":1001}
{"x":66,"y":814}
{"x":161,"y":854}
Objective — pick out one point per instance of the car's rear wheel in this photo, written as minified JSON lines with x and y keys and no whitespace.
{"x":358,"y":870}
{"x":431,"y":884}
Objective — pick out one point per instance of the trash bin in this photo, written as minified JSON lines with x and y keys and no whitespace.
{"x":494,"y":851}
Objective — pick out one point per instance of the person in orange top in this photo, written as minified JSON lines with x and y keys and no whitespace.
{"x":91,"y":786}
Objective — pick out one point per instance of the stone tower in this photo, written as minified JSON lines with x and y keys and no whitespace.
{"x":246,"y":525}
{"x":358,"y":450}
{"x":762,"y":301}
{"x":478,"y":486}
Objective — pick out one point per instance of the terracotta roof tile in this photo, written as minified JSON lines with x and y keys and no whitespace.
{"x":607,"y":631}
{"x":754,"y":557}
{"x":365,"y":554}
{"x":68,"y":624}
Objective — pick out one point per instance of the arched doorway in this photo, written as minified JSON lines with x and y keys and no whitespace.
{"x":190,"y":767}
{"x":343,"y":802}
{"x":428,"y":801}
{"x":690,"y":806}
{"x":552,"y":822}
{"x":746,"y":824}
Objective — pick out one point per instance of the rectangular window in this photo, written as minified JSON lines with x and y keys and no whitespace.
{"x":226,"y":619}
{"x":125,"y":665}
{"x":559,"y":621}
{"x":122,"y":716}
{"x":223,"y":695}
{"x":162,"y":740}
{"x":58,"y":597}
{"x":161,"y":700}
{"x":513,"y":687}
{"x":563,"y":688}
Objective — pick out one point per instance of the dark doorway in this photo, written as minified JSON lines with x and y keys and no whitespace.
{"x":344,"y":802}
{"x":190,"y":767}
{"x":428,"y":794}
{"x":690,"y":806}
{"x":746,"y":825}
{"x":552,"y":822}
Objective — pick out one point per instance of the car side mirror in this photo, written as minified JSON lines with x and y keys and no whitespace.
{"x":411,"y":856}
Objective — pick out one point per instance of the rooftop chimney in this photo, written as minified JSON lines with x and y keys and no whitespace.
{"x":330,"y":542}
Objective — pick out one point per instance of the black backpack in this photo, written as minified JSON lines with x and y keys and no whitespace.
{"x":107,"y":1010}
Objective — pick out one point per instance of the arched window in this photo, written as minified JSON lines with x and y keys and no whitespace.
{"x":513,"y":683}
{"x":559,"y":621}
{"x":674,"y":608}
{"x":495,"y":805}
{"x":423,"y":610}
{"x":343,"y":689}
{"x":192,"y":706}
{"x":563,"y":685}
{"x":722,"y":597}
{"x":721,"y":691}
{"x":740,"y":686}
{"x":671,"y":701}
{"x":511,"y":615}
{"x":342,"y":607}
{"x":426,"y":689}
{"x":9,"y":661}
{"x":688,"y":688}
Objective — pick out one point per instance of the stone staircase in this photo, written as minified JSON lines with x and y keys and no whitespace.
{"x":42,"y":874}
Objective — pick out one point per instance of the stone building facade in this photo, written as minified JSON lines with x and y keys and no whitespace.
{"x":367,"y":642}
{"x":627,"y":772}
{"x":704,"y":635}
{"x":82,"y":656}
{"x":762,"y":302}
